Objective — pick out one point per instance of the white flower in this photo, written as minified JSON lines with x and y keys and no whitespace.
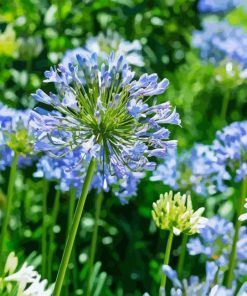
{"x":29,"y":282}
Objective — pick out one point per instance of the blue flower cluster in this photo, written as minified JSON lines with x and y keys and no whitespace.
{"x":208,"y":169}
{"x":12,"y":123}
{"x":103,"y":45}
{"x":230,"y":148}
{"x":101,"y":111}
{"x":219,"y":6}
{"x":212,"y":285}
{"x":69,"y":172}
{"x":215,"y":241}
{"x":189,"y":170}
{"x":219,"y":41}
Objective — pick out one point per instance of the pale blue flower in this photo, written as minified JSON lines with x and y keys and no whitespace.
{"x":215,"y":241}
{"x":93,"y":112}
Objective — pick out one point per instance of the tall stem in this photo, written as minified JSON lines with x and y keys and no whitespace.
{"x":74,"y":228}
{"x":167,"y":258}
{"x":7,"y":209}
{"x":233,"y":255}
{"x":72,"y":199}
{"x":182,"y":254}
{"x":44,"y":229}
{"x":94,"y":239}
{"x":54,"y":215}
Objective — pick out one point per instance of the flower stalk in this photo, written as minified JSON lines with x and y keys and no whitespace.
{"x":8,"y":209}
{"x":74,"y":228}
{"x":233,"y":254}
{"x":182,"y":254}
{"x":94,"y":240}
{"x":167,"y":258}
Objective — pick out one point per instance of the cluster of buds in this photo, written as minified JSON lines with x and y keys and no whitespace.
{"x":175,"y":213}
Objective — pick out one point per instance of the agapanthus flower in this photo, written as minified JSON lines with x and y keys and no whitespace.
{"x":103,"y":45}
{"x":215,"y":242}
{"x":194,"y":170}
{"x":67,"y":175}
{"x":221,"y":41}
{"x":218,"y":6}
{"x":104,"y":113}
{"x":175,"y":213}
{"x":28,"y":280}
{"x":15,"y":136}
{"x":212,"y":285}
{"x":230,"y":150}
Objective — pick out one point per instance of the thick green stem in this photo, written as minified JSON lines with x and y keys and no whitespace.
{"x":182,"y":254}
{"x":72,"y":199}
{"x":232,"y":259}
{"x":74,"y":228}
{"x":94,"y":240}
{"x":167,"y":258}
{"x":7,"y":210}
{"x":44,"y":229}
{"x":54,"y":216}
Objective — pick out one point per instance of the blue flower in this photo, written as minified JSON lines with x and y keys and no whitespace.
{"x":92,"y":113}
{"x":218,"y":6}
{"x":103,"y":45}
{"x":15,"y":136}
{"x":215,"y":241}
{"x":212,"y":285}
{"x":219,"y":41}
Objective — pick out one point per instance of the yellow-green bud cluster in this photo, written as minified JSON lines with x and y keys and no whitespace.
{"x":175,"y":213}
{"x":20,"y":141}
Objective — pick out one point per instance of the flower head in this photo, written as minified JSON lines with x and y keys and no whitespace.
{"x":194,"y":287}
{"x":28,"y":280}
{"x":219,"y":41}
{"x":175,"y":213}
{"x":104,"y":113}
{"x":215,"y":240}
{"x":15,"y":136}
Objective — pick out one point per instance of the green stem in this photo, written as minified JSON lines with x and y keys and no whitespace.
{"x":44,"y":229}
{"x":167,"y":258}
{"x":182,"y":254}
{"x":225,"y":103}
{"x":72,"y":199}
{"x":54,"y":216}
{"x":7,"y":210}
{"x":94,"y":240}
{"x":232,"y":260}
{"x":74,"y":228}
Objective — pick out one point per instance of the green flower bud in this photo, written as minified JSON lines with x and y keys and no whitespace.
{"x":20,"y":142}
{"x":175,"y":213}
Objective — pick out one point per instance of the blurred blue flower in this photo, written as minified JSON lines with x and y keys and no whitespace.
{"x":194,"y":170}
{"x":219,"y":6}
{"x":215,"y":241}
{"x":212,"y":285}
{"x":14,"y":134}
{"x":103,"y":45}
{"x":219,"y":41}
{"x":94,"y":113}
{"x":230,"y":149}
